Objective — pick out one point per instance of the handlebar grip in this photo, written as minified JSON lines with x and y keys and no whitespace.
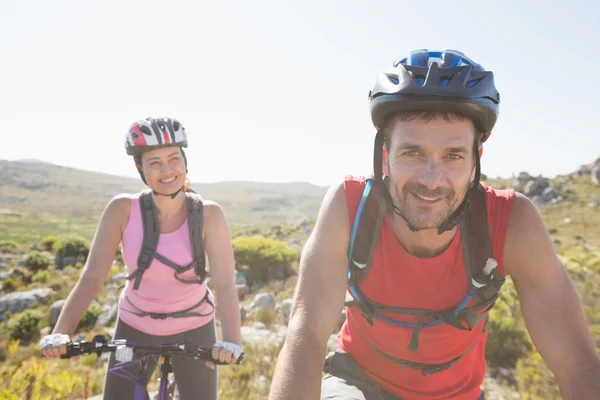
{"x":71,"y":351}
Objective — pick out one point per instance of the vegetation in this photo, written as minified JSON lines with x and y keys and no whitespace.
{"x":261,"y":258}
{"x":267,"y":255}
{"x":37,"y":261}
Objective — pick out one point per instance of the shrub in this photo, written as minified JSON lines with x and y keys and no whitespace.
{"x":12,"y":284}
{"x":49,"y":242}
{"x":8,"y":246}
{"x":535,"y":380}
{"x":25,"y":326}
{"x":508,"y":340}
{"x":73,"y":246}
{"x":34,"y":379}
{"x":265,"y":258}
{"x":41,"y":277}
{"x":37,"y":261}
{"x":89,"y":318}
{"x":267,"y":316}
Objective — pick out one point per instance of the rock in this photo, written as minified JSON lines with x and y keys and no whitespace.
{"x":109,"y":313}
{"x":332,"y":342}
{"x":262,"y":300}
{"x":45,"y":331}
{"x":241,"y":284}
{"x":240,"y":278}
{"x":258,"y":334}
{"x":538,"y":200}
{"x":18,"y":301}
{"x":568,"y":220}
{"x":11,"y":273}
{"x":242,"y":290}
{"x":594,"y":204}
{"x":120,"y":277}
{"x":585,"y":170}
{"x":342,"y":318}
{"x":55,"y":310}
{"x":62,"y":262}
{"x":550,"y":193}
{"x":596,"y":175}
{"x":533,"y":188}
{"x":259,"y":325}
{"x":286,"y":309}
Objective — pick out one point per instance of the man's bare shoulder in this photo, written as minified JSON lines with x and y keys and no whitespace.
{"x":527,"y":237}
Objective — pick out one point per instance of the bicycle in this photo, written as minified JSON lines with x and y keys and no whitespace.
{"x":127,"y":352}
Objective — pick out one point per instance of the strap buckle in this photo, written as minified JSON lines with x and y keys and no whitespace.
{"x":366,"y":310}
{"x":145,"y":258}
{"x":426,"y":371}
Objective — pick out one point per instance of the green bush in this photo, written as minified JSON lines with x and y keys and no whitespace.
{"x":74,"y":246}
{"x":508,"y":339}
{"x":41,"y":276}
{"x":535,"y":380}
{"x":267,"y":316}
{"x":119,"y":255}
{"x":49,"y":242}
{"x":12,"y":284}
{"x":89,"y":318}
{"x":25,"y":326}
{"x":8,"y":246}
{"x":264,"y":258}
{"x":37,"y":261}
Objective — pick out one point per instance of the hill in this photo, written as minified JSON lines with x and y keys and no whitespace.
{"x":44,"y":198}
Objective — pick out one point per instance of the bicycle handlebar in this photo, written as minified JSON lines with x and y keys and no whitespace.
{"x":100,"y":344}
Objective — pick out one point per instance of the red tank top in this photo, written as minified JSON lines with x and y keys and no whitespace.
{"x":399,"y":279}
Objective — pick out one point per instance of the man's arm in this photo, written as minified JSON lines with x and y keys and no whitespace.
{"x":318,"y":302}
{"x":550,"y":304}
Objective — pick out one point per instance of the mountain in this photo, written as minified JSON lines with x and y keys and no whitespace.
{"x":51,"y":197}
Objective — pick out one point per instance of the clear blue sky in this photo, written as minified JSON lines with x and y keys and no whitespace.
{"x":276,"y":90}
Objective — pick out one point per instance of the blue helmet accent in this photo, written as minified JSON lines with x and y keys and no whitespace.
{"x":436,"y":81}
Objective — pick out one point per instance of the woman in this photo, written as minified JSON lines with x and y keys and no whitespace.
{"x":169,"y":300}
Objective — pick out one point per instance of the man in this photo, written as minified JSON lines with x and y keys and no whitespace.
{"x":424,"y":271}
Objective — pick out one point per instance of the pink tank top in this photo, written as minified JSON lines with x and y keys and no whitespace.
{"x":159,"y":291}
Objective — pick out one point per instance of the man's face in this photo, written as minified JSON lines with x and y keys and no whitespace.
{"x":430,"y":165}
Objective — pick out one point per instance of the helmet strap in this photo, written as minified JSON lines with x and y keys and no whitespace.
{"x":172,"y":195}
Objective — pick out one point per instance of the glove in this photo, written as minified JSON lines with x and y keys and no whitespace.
{"x":54,"y":345}
{"x":230,"y":347}
{"x":225,"y":352}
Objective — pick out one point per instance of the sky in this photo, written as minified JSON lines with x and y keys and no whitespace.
{"x":270,"y":90}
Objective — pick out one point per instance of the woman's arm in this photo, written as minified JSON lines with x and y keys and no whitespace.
{"x":222,"y":270}
{"x":102,"y":252}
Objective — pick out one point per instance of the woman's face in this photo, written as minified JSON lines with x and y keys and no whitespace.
{"x":164,"y":169}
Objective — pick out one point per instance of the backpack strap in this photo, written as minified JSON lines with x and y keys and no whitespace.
{"x":477,"y":250}
{"x":150,"y":241}
{"x":195,"y":213}
{"x":188,"y":312}
{"x":363,"y":240}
